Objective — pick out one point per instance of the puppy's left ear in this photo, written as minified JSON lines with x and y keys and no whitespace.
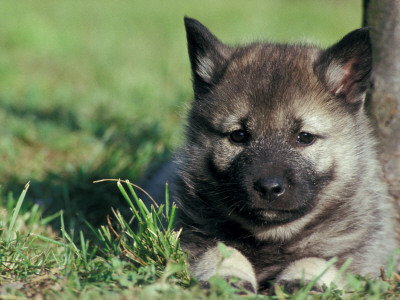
{"x":345,"y":68}
{"x":208,"y":56}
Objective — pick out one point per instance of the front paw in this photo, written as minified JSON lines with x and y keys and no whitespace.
{"x":234,"y":282}
{"x":309,"y":269}
{"x":242,"y":284}
{"x":291,"y":286}
{"x":233,"y":268}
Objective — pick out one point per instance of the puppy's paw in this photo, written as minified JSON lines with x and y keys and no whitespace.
{"x":305,"y":270}
{"x":234,"y":282}
{"x":235,"y":268}
{"x":291,"y":286}
{"x":242,"y":284}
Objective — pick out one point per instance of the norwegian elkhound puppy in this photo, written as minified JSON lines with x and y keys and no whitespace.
{"x":280,"y":163}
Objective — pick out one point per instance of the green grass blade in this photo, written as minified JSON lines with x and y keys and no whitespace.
{"x":49,"y":240}
{"x":167,"y":208}
{"x":172,"y":217}
{"x":130,"y":187}
{"x":143,"y":209}
{"x":128,"y":199}
{"x":94,"y":231}
{"x":62,"y":224}
{"x":132,"y":233}
{"x":83,"y":247}
{"x":160,"y":211}
{"x":63,"y":236}
{"x":124,"y":225}
{"x":124,"y":193}
{"x":48,"y":219}
{"x":10,"y":231}
{"x":164,"y":244}
{"x":72,"y":244}
{"x":156,"y":220}
{"x":160,"y":251}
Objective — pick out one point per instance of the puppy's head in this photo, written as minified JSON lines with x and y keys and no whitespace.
{"x":267,"y":121}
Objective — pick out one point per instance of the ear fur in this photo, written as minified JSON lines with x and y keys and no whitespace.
{"x":345,"y":68}
{"x":208,"y":56}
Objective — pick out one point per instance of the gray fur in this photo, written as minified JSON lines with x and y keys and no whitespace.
{"x":327,"y":197}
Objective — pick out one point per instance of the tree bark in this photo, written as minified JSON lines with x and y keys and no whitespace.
{"x":383,"y":99}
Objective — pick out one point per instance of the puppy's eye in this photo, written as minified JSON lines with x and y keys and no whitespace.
{"x":239,"y":136}
{"x":305,"y":138}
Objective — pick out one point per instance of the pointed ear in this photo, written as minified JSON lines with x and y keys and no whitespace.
{"x":345,"y":68}
{"x":208,"y":56}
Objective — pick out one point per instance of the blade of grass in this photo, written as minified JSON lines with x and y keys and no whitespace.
{"x":167,"y":208}
{"x":172,"y":217}
{"x":72,"y":245}
{"x":156,"y":221}
{"x":49,"y":240}
{"x":94,"y":231}
{"x":10,"y":231}
{"x":143,"y":209}
{"x":127,"y":182}
{"x":84,"y":246}
{"x":128,"y":199}
{"x":166,"y":247}
{"x":63,"y":237}
{"x":48,"y":219}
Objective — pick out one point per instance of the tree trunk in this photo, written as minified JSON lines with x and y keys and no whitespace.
{"x":383,"y":99}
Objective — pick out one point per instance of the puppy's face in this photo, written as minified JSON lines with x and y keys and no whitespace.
{"x":265,"y":122}
{"x":263,"y":126}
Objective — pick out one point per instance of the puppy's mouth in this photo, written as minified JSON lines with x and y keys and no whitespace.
{"x":274,"y":214}
{"x":264,"y":216}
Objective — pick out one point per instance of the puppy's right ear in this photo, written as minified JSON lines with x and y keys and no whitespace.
{"x":208,"y":56}
{"x":345,"y":68}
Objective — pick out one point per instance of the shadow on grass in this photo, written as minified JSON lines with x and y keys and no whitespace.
{"x":80,"y":199}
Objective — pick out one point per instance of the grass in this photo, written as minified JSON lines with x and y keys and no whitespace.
{"x":98,"y":89}
{"x":122,"y":263}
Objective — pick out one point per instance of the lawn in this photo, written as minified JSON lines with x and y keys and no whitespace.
{"x":99,"y":89}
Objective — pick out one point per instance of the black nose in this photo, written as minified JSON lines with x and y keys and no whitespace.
{"x":270,"y":187}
